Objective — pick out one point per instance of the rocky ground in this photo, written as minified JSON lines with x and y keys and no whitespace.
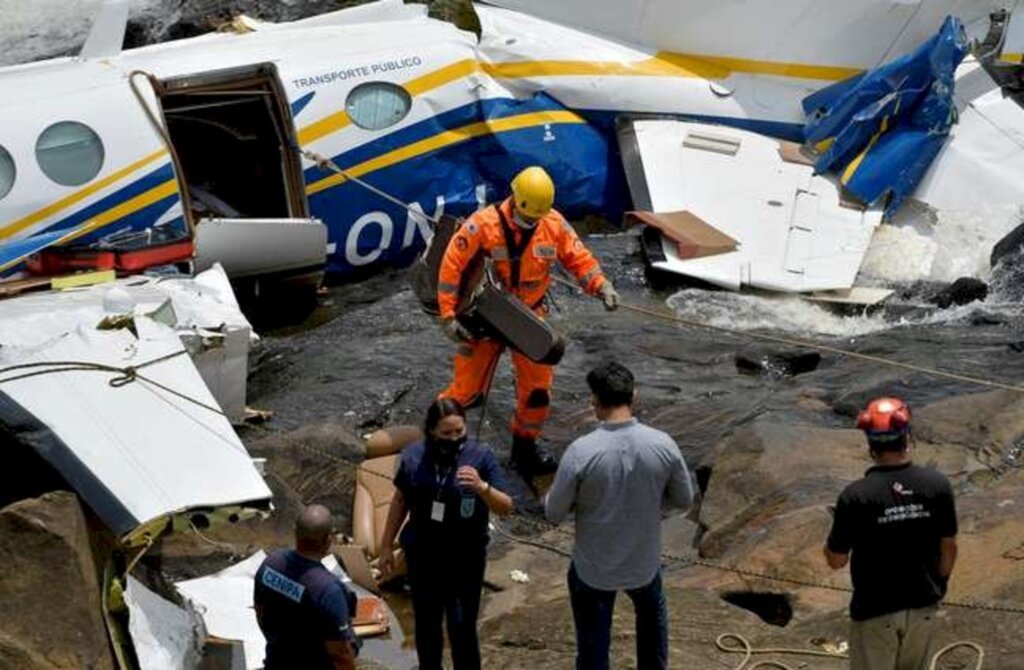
{"x":772,"y":452}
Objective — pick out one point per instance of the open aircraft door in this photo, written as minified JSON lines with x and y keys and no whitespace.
{"x":241,"y":180}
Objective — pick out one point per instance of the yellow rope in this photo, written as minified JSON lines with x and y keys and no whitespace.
{"x":744,"y":647}
{"x":749,"y":651}
{"x":950,"y":647}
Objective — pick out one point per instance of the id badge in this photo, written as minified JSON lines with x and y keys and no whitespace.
{"x":437,"y":511}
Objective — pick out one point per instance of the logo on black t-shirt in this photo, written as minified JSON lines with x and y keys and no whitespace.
{"x":901,"y":490}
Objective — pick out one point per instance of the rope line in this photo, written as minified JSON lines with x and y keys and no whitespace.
{"x":680,"y":561}
{"x":807,"y":344}
{"x":744,"y":647}
{"x":973,"y":646}
{"x":124,"y":375}
{"x":327,"y":164}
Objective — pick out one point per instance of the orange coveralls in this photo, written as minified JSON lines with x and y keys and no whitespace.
{"x":553,"y":239}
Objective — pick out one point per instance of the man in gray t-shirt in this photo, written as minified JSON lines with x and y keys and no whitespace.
{"x":617,"y":479}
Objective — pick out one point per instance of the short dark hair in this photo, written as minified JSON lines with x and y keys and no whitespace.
{"x":881,"y":444}
{"x":612,"y":384}
{"x":439,"y":409}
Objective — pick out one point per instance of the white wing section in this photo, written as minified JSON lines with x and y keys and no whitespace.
{"x":848,"y":33}
{"x":982,"y":162}
{"x":134,"y":452}
{"x":794,"y":233}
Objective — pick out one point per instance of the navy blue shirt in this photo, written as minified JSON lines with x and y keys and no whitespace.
{"x":301,"y":606}
{"x":424,"y":481}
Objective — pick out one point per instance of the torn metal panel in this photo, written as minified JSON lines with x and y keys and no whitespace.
{"x":794,"y":232}
{"x":982,"y":164}
{"x":122,"y":413}
{"x":202,"y":309}
{"x":163,"y":634}
{"x":225,"y":602}
{"x":135,"y":452}
{"x":882,"y":129}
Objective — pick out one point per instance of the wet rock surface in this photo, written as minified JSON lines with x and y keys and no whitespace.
{"x":777,"y":364}
{"x":963,"y":291}
{"x":50,"y":615}
{"x":773,"y":453}
{"x":1008,"y":247}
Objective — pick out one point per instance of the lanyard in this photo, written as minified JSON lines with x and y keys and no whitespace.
{"x":442,"y":479}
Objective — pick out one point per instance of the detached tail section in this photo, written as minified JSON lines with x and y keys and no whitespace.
{"x":107,"y":35}
{"x":880,"y":131}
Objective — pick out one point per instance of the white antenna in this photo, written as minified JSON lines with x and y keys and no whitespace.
{"x":106,"y":38}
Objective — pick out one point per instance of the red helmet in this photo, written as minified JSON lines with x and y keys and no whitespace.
{"x":885,"y":417}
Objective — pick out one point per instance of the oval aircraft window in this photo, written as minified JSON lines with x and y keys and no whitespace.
{"x":70,"y":153}
{"x":376,"y":105}
{"x":7,"y":172}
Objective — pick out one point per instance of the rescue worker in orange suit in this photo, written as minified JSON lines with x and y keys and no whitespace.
{"x":524,"y":237}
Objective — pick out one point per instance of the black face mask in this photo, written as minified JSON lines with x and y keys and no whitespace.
{"x":446,"y":450}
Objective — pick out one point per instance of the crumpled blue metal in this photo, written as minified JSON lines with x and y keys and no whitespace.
{"x":883,"y":128}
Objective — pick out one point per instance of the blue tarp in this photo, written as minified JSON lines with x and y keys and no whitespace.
{"x":884,"y":127}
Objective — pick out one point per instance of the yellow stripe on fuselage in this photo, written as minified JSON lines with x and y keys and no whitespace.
{"x":663,"y":64}
{"x":428,"y":82}
{"x":1012,"y":58}
{"x":126,"y":208}
{"x":76,"y":197}
{"x":666,"y":64}
{"x":445,"y":139}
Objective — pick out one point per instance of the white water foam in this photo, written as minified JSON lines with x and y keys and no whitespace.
{"x":919,"y":247}
{"x":955,"y":244}
{"x":742,"y":311}
{"x":38,"y":29}
{"x":792,"y":314}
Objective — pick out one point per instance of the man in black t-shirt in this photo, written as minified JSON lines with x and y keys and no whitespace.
{"x":899,"y":524}
{"x":303,"y":610}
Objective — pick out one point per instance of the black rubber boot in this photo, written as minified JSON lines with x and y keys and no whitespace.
{"x":529,"y":460}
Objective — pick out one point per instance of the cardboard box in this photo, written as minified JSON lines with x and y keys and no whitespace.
{"x":694,"y":237}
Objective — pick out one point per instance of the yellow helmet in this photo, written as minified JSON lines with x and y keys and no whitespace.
{"x":533,"y":192}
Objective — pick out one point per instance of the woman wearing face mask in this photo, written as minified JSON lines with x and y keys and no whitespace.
{"x":447,"y":485}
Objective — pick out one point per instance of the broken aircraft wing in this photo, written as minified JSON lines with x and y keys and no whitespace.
{"x":793,"y":229}
{"x":125,"y":419}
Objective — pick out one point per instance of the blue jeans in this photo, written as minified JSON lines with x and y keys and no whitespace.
{"x":592,"y":611}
